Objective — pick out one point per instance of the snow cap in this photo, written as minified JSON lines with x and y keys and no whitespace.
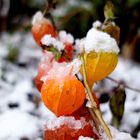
{"x":48,"y":40}
{"x":96,"y":24}
{"x":66,"y":37}
{"x":71,"y":122}
{"x":100,"y":41}
{"x":63,"y":69}
{"x":38,"y":16}
{"x":80,"y":44}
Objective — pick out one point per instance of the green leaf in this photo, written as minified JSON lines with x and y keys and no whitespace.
{"x":52,"y":49}
{"x":56,"y":53}
{"x":57,"y":56}
{"x":117,"y":105}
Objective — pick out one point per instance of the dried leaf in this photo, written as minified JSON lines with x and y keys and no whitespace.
{"x":109,"y":10}
{"x":12,"y":54}
{"x":117,"y":105}
{"x":56,"y":53}
{"x":113,"y":30}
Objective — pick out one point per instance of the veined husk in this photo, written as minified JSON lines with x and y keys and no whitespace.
{"x":99,"y":65}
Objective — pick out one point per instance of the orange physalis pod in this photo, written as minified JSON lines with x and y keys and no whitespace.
{"x":38,"y":83}
{"x":63,"y":95}
{"x":69,"y":128}
{"x":99,"y":65}
{"x":41,"y":26}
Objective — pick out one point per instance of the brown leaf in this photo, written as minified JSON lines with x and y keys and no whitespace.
{"x":116,"y":103}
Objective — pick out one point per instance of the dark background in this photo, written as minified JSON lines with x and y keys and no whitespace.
{"x":76,"y":19}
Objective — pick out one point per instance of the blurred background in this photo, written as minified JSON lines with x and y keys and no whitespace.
{"x":76,"y":17}
{"x":21,"y":112}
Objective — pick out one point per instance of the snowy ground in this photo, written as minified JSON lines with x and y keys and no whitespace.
{"x":22,"y":115}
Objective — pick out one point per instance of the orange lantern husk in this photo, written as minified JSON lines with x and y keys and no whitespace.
{"x":41,"y":28}
{"x":67,"y":131}
{"x":99,"y":65}
{"x":63,"y":96}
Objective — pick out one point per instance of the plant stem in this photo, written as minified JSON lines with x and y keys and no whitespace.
{"x":94,"y":119}
{"x":86,"y":83}
{"x":93,"y":103}
{"x":125,"y":85}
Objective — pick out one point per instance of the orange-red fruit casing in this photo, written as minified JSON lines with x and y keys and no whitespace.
{"x":63,"y":97}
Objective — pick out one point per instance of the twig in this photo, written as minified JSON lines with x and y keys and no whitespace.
{"x":123,"y":84}
{"x":52,"y":19}
{"x":95,"y":119}
{"x":134,"y":89}
{"x":113,"y":80}
{"x":47,"y":11}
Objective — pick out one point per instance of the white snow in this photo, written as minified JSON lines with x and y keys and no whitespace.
{"x":66,"y":37}
{"x":99,"y":41}
{"x":71,"y":122}
{"x":115,"y":134}
{"x":15,"y":124}
{"x":38,"y":16}
{"x":51,"y":41}
{"x":79,"y":45}
{"x":85,"y":138}
{"x":75,"y":65}
{"x":88,"y":104}
{"x":96,"y":24}
{"x":63,"y":69}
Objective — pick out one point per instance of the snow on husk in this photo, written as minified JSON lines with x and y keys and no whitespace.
{"x":70,"y":121}
{"x":22,"y":115}
{"x":99,"y":41}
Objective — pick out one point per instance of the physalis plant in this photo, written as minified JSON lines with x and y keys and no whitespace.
{"x":63,"y":92}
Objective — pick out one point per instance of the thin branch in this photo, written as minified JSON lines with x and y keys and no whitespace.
{"x":131,"y":88}
{"x":123,"y":84}
{"x":47,"y":12}
{"x":113,"y":80}
{"x":52,"y":19}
